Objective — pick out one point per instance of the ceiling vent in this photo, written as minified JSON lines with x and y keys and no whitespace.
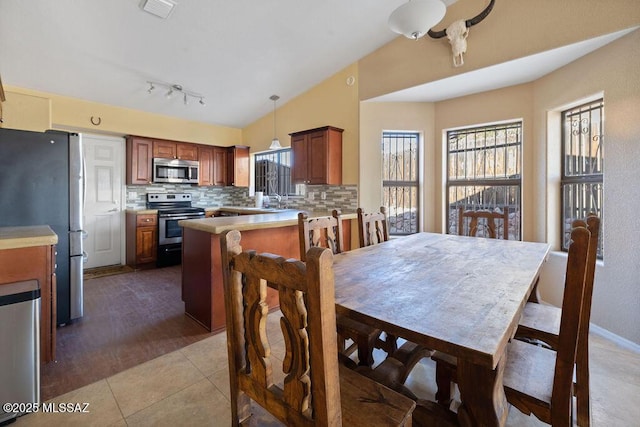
{"x":161,"y":8}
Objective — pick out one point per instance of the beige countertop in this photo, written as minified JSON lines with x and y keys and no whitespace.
{"x":283,"y":218}
{"x":26,"y":236}
{"x":142,"y":211}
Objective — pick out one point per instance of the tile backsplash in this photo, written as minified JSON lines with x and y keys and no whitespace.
{"x":315,"y":197}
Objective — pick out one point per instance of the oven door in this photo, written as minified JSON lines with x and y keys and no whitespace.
{"x":169,"y":232}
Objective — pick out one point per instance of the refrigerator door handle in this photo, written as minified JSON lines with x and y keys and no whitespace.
{"x":76,"y":288}
{"x":84,"y":182}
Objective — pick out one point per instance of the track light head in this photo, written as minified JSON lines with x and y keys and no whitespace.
{"x":172,"y":88}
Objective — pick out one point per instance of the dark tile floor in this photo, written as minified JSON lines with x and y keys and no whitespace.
{"x":128,"y":319}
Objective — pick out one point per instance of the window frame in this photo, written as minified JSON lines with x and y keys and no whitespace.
{"x":513,"y":181}
{"x":414,"y":169}
{"x":279,"y":186}
{"x":582,"y":179}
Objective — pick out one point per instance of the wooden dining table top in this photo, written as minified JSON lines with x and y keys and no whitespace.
{"x":460,"y":295}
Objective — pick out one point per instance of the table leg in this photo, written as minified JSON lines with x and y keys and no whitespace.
{"x":481,"y":391}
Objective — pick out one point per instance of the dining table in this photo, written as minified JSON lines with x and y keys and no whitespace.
{"x":460,"y":295}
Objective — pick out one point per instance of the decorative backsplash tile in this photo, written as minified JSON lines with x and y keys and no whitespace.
{"x":316,"y":197}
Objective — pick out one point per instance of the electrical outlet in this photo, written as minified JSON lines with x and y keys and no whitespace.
{"x":311,"y":195}
{"x":323,"y":195}
{"x":132,"y":195}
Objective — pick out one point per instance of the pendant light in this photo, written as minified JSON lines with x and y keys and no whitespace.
{"x":275,"y":142}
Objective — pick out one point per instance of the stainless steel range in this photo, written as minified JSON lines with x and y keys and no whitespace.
{"x":171,"y":208}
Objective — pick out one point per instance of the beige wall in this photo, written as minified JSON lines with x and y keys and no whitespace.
{"x":38,"y":111}
{"x":515,"y":28}
{"x":332,"y":102}
{"x":509,"y":104}
{"x":613,"y":70}
{"x":377,"y":117}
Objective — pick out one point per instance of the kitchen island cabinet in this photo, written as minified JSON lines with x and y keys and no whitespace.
{"x":202,"y":290}
{"x":29,"y":253}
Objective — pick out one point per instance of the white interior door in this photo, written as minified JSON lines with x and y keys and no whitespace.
{"x":103,"y":213}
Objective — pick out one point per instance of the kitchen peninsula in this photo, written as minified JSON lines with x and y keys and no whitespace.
{"x":202,"y":290}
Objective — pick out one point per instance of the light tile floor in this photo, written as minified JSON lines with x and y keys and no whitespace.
{"x":189,"y":387}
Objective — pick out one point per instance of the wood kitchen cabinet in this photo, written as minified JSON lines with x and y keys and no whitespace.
{"x":139,"y":160}
{"x":205,"y":158}
{"x":142,"y":240}
{"x":174,"y":150}
{"x":213,"y":165}
{"x":317,"y":156}
{"x":238,"y":166}
{"x":24,"y":257}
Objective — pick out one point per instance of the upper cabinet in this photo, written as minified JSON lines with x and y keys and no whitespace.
{"x":219,"y":166}
{"x":174,"y":150}
{"x":139,"y":160}
{"x":213,"y":165}
{"x":238,"y":166}
{"x":224,"y":166}
{"x":317,"y":156}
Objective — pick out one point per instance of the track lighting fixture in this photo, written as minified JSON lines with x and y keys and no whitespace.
{"x":171,"y":88}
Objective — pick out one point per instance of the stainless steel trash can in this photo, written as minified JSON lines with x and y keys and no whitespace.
{"x":20,"y":348}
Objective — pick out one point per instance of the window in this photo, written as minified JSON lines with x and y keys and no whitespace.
{"x":273,"y":172}
{"x":484,"y":172}
{"x":401,"y":181}
{"x":583,"y":163}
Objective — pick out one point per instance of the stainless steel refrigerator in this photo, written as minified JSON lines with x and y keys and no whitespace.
{"x":42,"y":182}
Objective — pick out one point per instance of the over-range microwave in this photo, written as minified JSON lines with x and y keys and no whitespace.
{"x":175,"y":171}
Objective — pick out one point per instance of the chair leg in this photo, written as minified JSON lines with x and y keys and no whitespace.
{"x":581,"y":389}
{"x":444,"y":380}
{"x":365,"y":350}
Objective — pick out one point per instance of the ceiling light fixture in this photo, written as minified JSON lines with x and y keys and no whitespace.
{"x":159,"y":8}
{"x":275,"y":142}
{"x":171,"y":88}
{"x":414,"y":18}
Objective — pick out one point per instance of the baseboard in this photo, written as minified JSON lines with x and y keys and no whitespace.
{"x":622,"y":342}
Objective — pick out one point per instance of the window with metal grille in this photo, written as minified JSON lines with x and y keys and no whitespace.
{"x":583,"y":163}
{"x":273,"y":173}
{"x":484,"y":166}
{"x":401,"y":181}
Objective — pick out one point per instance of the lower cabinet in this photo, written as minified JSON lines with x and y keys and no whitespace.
{"x":142,"y":240}
{"x":29,"y":263}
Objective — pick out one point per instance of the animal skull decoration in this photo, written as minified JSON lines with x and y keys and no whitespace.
{"x":457,"y":34}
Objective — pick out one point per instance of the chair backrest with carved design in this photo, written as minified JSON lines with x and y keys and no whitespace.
{"x":324,"y":232}
{"x":311,"y":391}
{"x":373,"y":228}
{"x":469,"y":224}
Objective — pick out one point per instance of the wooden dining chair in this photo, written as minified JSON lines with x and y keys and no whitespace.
{"x":470,"y":222}
{"x":538,"y":380}
{"x":373,"y":228}
{"x":326,"y":232}
{"x":541,"y":322}
{"x":317,"y":390}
